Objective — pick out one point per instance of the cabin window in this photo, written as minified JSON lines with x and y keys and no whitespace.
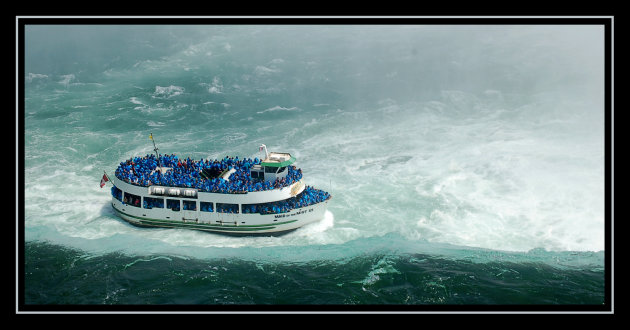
{"x":206,"y":207}
{"x":190,"y":205}
{"x":257,"y":175}
{"x":283,"y":206}
{"x":250,"y":208}
{"x":132,"y":200}
{"x":117,"y":193}
{"x":172,"y":204}
{"x":269,"y":169}
{"x":151,"y":202}
{"x":227,"y":208}
{"x":282,"y":169}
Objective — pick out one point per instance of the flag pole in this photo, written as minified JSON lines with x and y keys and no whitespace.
{"x":105,"y":179}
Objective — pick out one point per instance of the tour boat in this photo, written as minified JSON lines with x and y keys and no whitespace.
{"x":230,"y":195}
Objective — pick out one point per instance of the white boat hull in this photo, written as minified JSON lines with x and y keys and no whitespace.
{"x":236,"y":224}
{"x":218,"y":222}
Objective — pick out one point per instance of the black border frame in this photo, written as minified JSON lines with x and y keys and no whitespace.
{"x":606,"y":308}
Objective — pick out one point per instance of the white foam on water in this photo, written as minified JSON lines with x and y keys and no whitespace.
{"x":383,"y":266}
{"x":33,"y":76}
{"x":475,"y":181}
{"x":168,"y":91}
{"x":278,"y":108}
{"x":261,"y":70}
{"x":135,"y":100}
{"x":66,"y":79}
{"x":155,"y":124}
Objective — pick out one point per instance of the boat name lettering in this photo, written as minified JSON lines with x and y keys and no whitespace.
{"x":293,"y":214}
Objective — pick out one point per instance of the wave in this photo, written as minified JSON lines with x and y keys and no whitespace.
{"x":35,"y":76}
{"x":308,"y":244}
{"x":263,"y":70}
{"x":216,"y":87}
{"x":66,"y":79}
{"x":167,"y":92}
{"x":155,"y":124}
{"x":135,"y":100}
{"x":278,"y":108}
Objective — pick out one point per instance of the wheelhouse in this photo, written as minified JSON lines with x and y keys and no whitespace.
{"x":273,"y":167}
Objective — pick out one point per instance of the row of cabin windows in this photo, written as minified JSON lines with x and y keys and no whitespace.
{"x":173,"y":204}
{"x":187,"y":205}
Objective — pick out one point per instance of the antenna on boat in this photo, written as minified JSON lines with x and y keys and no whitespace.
{"x":156,"y":151}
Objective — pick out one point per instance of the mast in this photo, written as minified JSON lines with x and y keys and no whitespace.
{"x":156,"y":151}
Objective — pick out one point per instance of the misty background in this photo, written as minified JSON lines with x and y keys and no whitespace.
{"x":488,"y":136}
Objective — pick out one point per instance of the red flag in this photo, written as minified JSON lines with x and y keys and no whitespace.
{"x":103,"y":180}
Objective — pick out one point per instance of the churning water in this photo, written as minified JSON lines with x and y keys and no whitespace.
{"x":466,"y":163}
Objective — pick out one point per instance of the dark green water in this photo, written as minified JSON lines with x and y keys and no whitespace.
{"x":57,"y":275}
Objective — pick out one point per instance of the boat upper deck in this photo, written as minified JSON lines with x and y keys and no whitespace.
{"x":228,"y":175}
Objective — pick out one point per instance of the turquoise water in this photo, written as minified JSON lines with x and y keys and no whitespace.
{"x":466,"y":163}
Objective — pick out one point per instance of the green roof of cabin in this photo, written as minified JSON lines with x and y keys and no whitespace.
{"x":275,"y":162}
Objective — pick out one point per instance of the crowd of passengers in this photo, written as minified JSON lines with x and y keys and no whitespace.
{"x":186,"y":173}
{"x":308,"y":197}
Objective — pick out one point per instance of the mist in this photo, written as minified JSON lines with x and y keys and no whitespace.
{"x":488,"y":136}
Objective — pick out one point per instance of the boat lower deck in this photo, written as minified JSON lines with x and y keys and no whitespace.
{"x":227,"y":229}
{"x":231,"y":224}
